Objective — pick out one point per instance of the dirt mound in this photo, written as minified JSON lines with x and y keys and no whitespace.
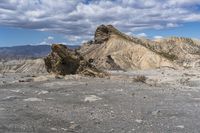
{"x":63,"y":61}
{"x":112,"y":49}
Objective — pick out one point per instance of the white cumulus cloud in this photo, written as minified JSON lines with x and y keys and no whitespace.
{"x":142,"y":35}
{"x":78,"y":19}
{"x":157,"y":37}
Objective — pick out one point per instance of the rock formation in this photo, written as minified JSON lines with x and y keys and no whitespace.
{"x":63,"y":61}
{"x":29,"y":66}
{"x":185,"y":51}
{"x":112,"y":49}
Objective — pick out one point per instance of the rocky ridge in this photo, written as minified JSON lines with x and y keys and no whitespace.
{"x":112,"y":49}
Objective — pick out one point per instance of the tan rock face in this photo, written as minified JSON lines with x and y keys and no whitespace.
{"x":63,"y":61}
{"x":183,"y":49}
{"x":119,"y":51}
{"x":35,"y":66}
{"x":113,"y":49}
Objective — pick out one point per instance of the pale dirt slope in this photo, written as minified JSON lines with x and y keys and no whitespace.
{"x":23,"y":66}
{"x":112,"y":49}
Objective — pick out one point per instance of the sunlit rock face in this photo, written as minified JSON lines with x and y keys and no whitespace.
{"x":112,"y":49}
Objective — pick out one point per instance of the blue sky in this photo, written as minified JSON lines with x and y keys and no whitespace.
{"x":24,"y":22}
{"x":185,"y":30}
{"x":10,"y":36}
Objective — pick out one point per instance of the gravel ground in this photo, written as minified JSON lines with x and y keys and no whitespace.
{"x":91,"y":105}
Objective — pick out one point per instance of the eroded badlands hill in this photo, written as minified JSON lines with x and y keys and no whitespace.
{"x":23,"y":66}
{"x":112,"y":49}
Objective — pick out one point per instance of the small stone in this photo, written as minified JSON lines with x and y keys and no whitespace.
{"x":43,"y":92}
{"x":111,"y":130}
{"x":155,"y":112}
{"x":54,"y":129}
{"x":74,"y":126}
{"x":180,"y":126}
{"x":33,"y":100}
{"x":138,"y":121}
{"x":92,"y":98}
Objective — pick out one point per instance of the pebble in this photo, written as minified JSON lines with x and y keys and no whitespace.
{"x":92,"y":98}
{"x":43,"y":92}
{"x":180,"y":126}
{"x":138,"y":121}
{"x":33,"y":99}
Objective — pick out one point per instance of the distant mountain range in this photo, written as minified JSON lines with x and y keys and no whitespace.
{"x":26,"y":51}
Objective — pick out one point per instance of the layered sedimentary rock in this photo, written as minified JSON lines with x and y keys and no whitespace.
{"x":185,"y":51}
{"x":112,"y":49}
{"x":29,"y":66}
{"x":63,"y":61}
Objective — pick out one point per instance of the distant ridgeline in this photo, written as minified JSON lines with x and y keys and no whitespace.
{"x":26,"y":52}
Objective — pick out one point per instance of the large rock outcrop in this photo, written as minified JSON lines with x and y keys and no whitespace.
{"x":63,"y":61}
{"x":112,"y":49}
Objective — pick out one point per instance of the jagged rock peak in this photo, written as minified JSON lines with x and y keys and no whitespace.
{"x":103,"y":33}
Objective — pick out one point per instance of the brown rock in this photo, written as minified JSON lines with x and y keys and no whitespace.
{"x":103,"y":33}
{"x":63,"y":61}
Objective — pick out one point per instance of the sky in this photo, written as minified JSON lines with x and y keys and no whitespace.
{"x":35,"y":22}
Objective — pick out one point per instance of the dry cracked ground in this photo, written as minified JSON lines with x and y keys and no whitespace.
{"x":168,"y":101}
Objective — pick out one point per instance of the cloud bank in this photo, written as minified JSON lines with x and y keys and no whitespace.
{"x":77,"y":19}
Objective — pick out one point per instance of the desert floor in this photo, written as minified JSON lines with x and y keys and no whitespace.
{"x":168,"y":101}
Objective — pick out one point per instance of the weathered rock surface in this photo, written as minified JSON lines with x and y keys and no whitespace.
{"x":29,"y":66}
{"x":115,"y":50}
{"x":63,"y":61}
{"x":183,"y":51}
{"x":103,"y":33}
{"x":112,"y":49}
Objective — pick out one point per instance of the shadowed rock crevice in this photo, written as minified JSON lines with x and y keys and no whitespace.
{"x":63,"y":61}
{"x":113,"y":65}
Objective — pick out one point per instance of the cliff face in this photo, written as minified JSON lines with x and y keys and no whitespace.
{"x":113,"y":49}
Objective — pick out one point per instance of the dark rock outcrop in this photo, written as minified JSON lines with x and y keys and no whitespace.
{"x":63,"y":61}
{"x":102,"y":34}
